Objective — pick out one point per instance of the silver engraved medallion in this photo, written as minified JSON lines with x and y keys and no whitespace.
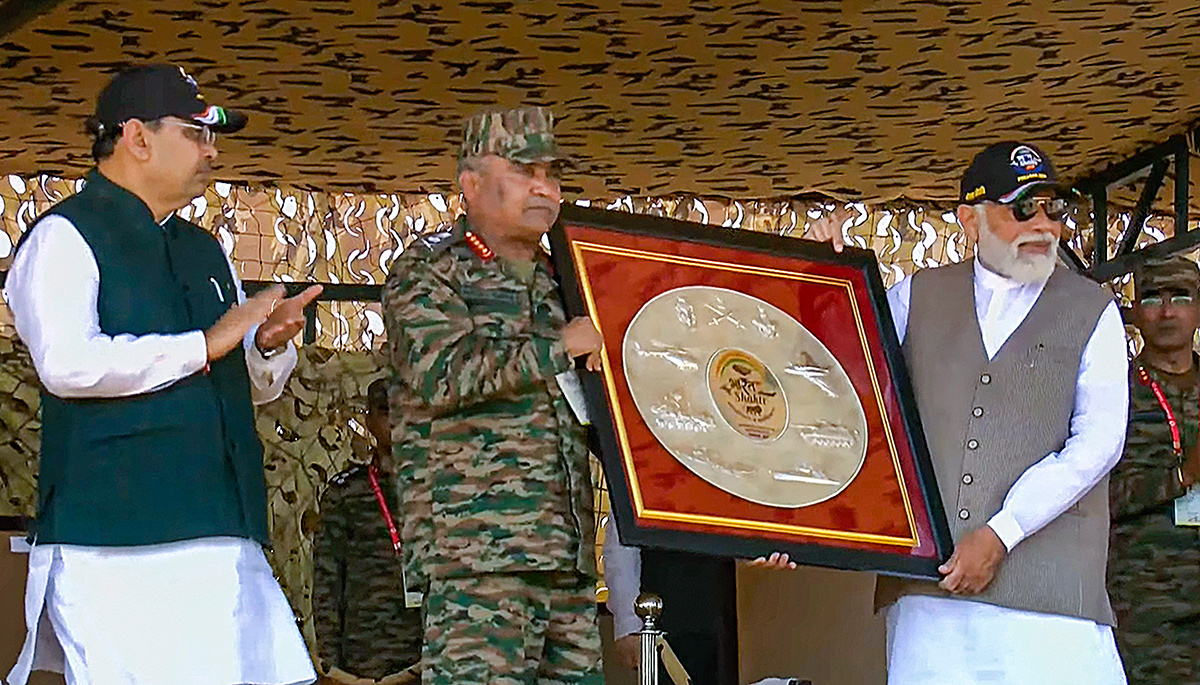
{"x":763,"y":411}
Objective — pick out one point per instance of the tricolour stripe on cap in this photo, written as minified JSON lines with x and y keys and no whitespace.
{"x":211,"y":116}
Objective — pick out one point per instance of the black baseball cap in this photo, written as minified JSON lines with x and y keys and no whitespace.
{"x":153,"y":91}
{"x":1006,"y":170}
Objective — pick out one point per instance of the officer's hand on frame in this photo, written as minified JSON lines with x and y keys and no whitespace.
{"x":828,"y":229}
{"x":580,"y":337}
{"x":628,"y":650}
{"x":973,"y":564}
{"x":285,"y":320}
{"x":778,"y":560}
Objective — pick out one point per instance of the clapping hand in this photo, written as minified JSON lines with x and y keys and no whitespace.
{"x":285,"y":320}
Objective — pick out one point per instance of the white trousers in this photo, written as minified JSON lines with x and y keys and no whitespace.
{"x":939,"y":641}
{"x":197,"y":612}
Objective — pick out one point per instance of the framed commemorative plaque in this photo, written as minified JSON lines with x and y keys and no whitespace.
{"x":753,"y":396}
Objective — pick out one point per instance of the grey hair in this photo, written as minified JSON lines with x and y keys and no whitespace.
{"x":468,"y":164}
{"x":104,"y":138}
{"x":980,"y":213}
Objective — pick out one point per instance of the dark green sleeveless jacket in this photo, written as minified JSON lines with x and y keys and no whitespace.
{"x":179,"y":463}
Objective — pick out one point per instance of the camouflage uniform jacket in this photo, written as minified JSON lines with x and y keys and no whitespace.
{"x":1154,"y":565}
{"x":361,"y":624}
{"x":493,"y":466}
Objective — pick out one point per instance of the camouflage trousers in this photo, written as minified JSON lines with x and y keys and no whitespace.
{"x":512,"y":629}
{"x":1167,"y":655}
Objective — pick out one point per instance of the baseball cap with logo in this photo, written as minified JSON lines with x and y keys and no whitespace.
{"x":153,"y":91}
{"x":1005,"y":171}
{"x":522,"y":134}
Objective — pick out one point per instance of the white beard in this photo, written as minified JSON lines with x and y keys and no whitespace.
{"x":1006,"y":258}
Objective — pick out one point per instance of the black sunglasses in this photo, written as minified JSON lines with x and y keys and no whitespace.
{"x":1025,"y":208}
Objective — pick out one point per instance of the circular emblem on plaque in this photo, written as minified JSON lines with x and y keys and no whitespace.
{"x":747,"y":394}
{"x":744,"y":396}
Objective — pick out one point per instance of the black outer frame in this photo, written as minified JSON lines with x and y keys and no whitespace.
{"x":604,"y":432}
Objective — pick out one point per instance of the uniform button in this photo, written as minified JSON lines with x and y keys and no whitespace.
{"x":985,"y":378}
{"x":977,"y":412}
{"x":967,"y":479}
{"x":964,"y":514}
{"x":972,"y":444}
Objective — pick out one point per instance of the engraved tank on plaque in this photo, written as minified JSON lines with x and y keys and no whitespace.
{"x":744,"y":396}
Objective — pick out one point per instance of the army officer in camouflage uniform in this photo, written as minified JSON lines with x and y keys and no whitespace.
{"x":495,"y":494}
{"x":1154,"y":564}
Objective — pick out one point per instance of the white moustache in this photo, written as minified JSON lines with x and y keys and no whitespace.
{"x":1036,"y":239}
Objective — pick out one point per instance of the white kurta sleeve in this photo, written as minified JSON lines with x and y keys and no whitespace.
{"x":899,"y":297}
{"x":267,"y":376}
{"x":52,"y":289}
{"x":1060,"y":479}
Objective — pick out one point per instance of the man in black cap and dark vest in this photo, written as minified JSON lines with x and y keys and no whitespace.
{"x":147,"y":564}
{"x":1019,"y":370}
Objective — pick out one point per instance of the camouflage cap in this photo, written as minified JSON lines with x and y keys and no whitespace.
{"x":522,"y":134}
{"x":1172,"y":272}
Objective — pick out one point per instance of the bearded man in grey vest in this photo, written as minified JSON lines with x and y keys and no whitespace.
{"x":147,"y":564}
{"x":1019,"y":369}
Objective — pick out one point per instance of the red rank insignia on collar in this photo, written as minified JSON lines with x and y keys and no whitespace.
{"x":479,"y":247}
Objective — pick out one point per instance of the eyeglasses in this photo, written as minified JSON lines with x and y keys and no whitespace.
{"x":1025,"y":208}
{"x":1177,"y":300}
{"x":199,"y":133}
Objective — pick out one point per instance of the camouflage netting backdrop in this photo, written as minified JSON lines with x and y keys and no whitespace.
{"x":314,"y":430}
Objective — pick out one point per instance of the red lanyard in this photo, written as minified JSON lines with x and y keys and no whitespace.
{"x":387,"y":513}
{"x":1155,"y":388}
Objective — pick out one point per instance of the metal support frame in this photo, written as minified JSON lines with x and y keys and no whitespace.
{"x":14,"y":524}
{"x":1176,"y":152}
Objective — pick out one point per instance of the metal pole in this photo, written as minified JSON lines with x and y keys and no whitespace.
{"x":1099,"y":227}
{"x":1183,"y":191}
{"x":648,"y":608}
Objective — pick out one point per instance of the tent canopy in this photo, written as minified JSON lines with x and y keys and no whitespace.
{"x":861,"y":99}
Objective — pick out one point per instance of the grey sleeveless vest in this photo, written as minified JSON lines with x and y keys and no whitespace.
{"x":988,"y":421}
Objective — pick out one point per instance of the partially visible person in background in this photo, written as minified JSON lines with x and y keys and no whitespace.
{"x":699,"y":607}
{"x":364,"y":631}
{"x":1154,"y":556}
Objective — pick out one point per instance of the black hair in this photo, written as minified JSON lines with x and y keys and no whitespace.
{"x":104,"y":138}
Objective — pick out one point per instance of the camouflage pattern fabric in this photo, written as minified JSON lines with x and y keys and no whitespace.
{"x":512,"y":629}
{"x":361,"y":624}
{"x":523,"y":134}
{"x":1172,"y":272}
{"x":493,"y":472}
{"x":1154,"y":565}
